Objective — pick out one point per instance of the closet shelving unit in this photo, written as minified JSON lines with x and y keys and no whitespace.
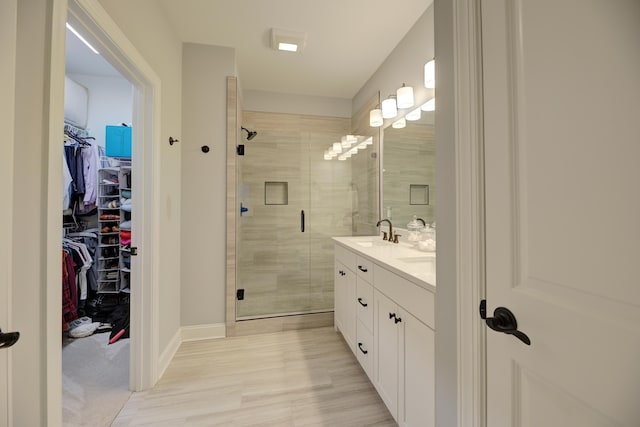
{"x":108,"y":252}
{"x":125,"y":218}
{"x":114,"y":216}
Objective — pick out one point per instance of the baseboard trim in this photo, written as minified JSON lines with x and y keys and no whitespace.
{"x":167,"y":355}
{"x":203,"y":332}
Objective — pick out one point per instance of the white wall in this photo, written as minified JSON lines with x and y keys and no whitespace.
{"x":270,"y":102}
{"x":204,"y":87}
{"x":110,"y":103}
{"x":405,"y":64}
{"x":146,"y":26}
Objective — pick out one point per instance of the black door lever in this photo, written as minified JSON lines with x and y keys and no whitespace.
{"x":504,"y":321}
{"x":8,"y":339}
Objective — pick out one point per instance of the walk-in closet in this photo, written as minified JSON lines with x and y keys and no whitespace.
{"x":98,"y":201}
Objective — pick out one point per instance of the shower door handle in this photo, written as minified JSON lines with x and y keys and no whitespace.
{"x":302,"y":221}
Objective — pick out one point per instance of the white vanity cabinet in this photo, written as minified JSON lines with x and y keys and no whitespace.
{"x":404,"y":367}
{"x":344,"y":295}
{"x":394,"y":333}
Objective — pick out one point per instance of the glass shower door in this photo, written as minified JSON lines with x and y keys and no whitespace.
{"x":273,"y":259}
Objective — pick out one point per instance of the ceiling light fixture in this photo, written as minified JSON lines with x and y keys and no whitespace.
{"x":389,"y":107}
{"x":287,"y":41}
{"x":430,"y":74}
{"x":405,"y":96}
{"x":82,"y":39}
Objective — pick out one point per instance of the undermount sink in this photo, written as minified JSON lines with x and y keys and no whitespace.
{"x":365,"y":244}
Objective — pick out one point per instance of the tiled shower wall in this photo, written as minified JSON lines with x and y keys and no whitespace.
{"x":409,"y":158}
{"x":282,"y":269}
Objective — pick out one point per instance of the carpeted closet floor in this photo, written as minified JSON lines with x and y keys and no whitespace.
{"x":95,"y":380}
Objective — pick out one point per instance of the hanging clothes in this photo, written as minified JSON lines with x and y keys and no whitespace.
{"x":69,"y":293}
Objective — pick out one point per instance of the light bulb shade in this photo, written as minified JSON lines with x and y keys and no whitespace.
{"x":389,"y":108}
{"x":337,"y":147}
{"x":399,"y":124}
{"x":405,"y":97}
{"x":430,"y":105}
{"x":430,"y":74}
{"x":375,"y":118}
{"x":414,"y":115}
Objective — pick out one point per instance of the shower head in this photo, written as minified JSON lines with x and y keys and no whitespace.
{"x":250,"y":133}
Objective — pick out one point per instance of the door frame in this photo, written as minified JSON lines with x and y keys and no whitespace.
{"x":98,"y":27}
{"x":459,"y":62}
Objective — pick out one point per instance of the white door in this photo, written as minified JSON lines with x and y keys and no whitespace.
{"x":562,"y":168}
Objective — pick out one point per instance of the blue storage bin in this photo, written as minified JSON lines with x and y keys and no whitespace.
{"x":118,"y":141}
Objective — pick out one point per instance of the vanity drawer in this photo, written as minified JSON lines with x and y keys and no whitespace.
{"x":364,"y":269}
{"x":416,"y":300}
{"x":364,"y":295}
{"x":345,"y":256}
{"x":364,"y":349}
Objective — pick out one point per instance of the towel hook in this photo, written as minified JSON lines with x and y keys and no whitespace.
{"x":171,"y":140}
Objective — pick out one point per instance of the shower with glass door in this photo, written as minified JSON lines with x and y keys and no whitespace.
{"x":291,"y":202}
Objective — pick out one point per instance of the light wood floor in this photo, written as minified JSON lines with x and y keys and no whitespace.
{"x":294,"y":378}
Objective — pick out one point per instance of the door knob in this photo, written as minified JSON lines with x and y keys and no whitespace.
{"x":504,"y":321}
{"x":8,"y":339}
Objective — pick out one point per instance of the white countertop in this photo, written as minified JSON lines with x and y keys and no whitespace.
{"x":401,"y":258}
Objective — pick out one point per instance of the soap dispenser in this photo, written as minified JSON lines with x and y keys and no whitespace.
{"x":414,"y":227}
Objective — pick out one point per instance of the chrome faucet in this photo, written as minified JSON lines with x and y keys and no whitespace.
{"x":384,"y":236}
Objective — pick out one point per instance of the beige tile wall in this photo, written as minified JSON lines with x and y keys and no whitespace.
{"x":409,"y":158}
{"x":282,"y":269}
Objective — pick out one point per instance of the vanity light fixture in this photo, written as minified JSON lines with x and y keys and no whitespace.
{"x":287,"y":41}
{"x":348,"y":146}
{"x":414,"y":115}
{"x":430,"y":74}
{"x":430,"y":105}
{"x":399,"y":124}
{"x":82,"y":39}
{"x":389,"y":107}
{"x":405,"y":96}
{"x":375,"y":118}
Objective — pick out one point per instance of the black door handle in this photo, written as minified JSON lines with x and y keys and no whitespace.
{"x":364,"y":304}
{"x":302,"y":221}
{"x":361,"y":349}
{"x":361,"y":268}
{"x":8,"y":339}
{"x":503,"y":321}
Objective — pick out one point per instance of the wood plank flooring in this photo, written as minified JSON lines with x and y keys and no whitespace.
{"x":287,"y":379}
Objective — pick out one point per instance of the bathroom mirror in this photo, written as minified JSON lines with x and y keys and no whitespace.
{"x":408,"y":171}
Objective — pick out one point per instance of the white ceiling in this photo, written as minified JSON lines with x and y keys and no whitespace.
{"x":347,"y":40}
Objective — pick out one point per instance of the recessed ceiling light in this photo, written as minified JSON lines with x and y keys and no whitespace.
{"x":289,"y":47}
{"x":288,"y":41}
